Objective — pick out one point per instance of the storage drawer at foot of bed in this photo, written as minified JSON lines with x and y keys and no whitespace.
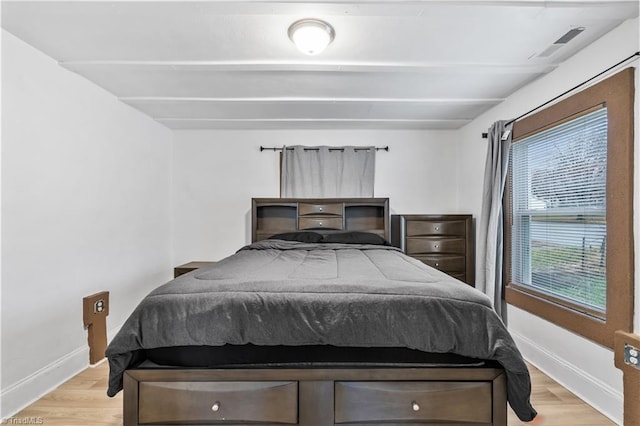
{"x":218,"y":402}
{"x":411,"y":402}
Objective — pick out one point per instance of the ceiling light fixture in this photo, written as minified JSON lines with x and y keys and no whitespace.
{"x":311,"y":36}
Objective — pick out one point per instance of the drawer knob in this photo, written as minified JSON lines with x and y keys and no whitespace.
{"x":437,"y":264}
{"x":437,"y":228}
{"x":437,"y":245}
{"x":319,"y":223}
{"x":320,"y":209}
{"x":216,"y":406}
{"x":415,"y":406}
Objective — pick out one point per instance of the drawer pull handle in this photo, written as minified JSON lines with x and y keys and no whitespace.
{"x":216,"y":406}
{"x":415,"y":406}
{"x":437,"y":245}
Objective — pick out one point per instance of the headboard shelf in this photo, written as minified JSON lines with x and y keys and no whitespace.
{"x":270,"y":216}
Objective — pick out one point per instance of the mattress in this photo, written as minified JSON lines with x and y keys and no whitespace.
{"x":285,"y":293}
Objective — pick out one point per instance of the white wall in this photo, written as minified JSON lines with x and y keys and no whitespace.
{"x":85,"y":208}
{"x":216,"y":173}
{"x":584,"y":367}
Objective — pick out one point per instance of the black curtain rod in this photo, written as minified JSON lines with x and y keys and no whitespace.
{"x":486,"y":135}
{"x":273,"y":148}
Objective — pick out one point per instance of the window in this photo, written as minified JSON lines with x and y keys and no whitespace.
{"x":569,"y":245}
{"x":559,"y":211}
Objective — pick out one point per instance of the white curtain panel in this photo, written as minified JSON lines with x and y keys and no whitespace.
{"x":325,"y":172}
{"x":490,"y":239}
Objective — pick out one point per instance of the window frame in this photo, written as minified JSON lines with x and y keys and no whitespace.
{"x":617,"y":94}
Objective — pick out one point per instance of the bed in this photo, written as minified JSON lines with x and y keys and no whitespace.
{"x":317,"y":322}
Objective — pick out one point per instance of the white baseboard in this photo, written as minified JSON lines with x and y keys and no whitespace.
{"x":593,"y":391}
{"x":33,"y":387}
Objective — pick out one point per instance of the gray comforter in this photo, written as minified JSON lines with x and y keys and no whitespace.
{"x":287,"y":293}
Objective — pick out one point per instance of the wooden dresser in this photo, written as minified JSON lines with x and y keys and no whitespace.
{"x":444,"y":242}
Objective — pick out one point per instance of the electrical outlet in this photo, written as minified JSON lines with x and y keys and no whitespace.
{"x":632,"y":356}
{"x":96,"y":305}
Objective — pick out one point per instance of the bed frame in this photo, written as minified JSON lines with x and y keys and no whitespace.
{"x":316,"y":396}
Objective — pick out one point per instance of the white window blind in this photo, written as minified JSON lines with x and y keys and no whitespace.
{"x":558,"y":192}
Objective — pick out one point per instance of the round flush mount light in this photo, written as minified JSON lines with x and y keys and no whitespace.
{"x":311,"y":36}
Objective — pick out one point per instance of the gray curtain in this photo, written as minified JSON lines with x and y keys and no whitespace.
{"x":324,"y":171}
{"x":490,"y":239}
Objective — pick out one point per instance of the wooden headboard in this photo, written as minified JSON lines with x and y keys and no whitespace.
{"x":270,"y":216}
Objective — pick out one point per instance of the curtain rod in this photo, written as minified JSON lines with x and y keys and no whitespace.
{"x":486,"y":135}
{"x":273,"y":148}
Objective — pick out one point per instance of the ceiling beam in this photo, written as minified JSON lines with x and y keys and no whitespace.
{"x":159,"y":99}
{"x":306,"y":66}
{"x":316,"y":120}
{"x":515,"y":3}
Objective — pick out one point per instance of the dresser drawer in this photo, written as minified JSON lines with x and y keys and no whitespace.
{"x":460,"y":276}
{"x":305,"y":209}
{"x":320,"y":223}
{"x":423,"y":228}
{"x":410,"y":402}
{"x":435,"y":245}
{"x":444,"y":262}
{"x":219,"y":402}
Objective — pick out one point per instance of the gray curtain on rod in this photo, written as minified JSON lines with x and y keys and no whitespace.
{"x":490,"y":239}
{"x":325,"y":172}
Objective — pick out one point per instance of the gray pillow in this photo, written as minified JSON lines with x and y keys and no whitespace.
{"x":355,"y":237}
{"x":302,"y":236}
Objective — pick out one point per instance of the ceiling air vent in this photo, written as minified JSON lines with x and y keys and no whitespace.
{"x":566,"y":38}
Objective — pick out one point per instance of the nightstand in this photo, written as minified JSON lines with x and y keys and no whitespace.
{"x":188,"y":267}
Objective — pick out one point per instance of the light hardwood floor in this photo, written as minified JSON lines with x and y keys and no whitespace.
{"x":83,"y":401}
